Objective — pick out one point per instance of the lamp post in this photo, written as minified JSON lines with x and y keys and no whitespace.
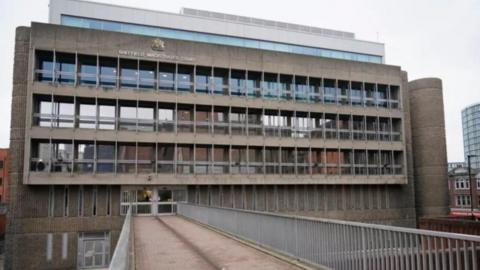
{"x":471,"y":184}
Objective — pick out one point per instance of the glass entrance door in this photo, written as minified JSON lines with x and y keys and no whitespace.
{"x":165,"y":202}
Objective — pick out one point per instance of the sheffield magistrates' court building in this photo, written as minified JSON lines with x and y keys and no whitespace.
{"x":114,"y":105}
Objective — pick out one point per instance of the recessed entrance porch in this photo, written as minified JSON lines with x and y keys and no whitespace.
{"x":152,"y":200}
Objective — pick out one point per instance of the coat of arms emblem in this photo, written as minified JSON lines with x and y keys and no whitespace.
{"x":158,"y":45}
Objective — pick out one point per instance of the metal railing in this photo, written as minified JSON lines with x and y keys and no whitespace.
{"x":341,"y":244}
{"x":123,"y":256}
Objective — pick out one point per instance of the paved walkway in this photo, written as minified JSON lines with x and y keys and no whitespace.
{"x":172,"y":242}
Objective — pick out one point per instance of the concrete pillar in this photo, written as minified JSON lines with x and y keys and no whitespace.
{"x":429,"y":147}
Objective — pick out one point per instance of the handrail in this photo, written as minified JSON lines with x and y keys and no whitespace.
{"x":342,"y":244}
{"x":121,"y":258}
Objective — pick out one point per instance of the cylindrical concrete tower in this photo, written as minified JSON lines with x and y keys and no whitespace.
{"x":471,"y":134}
{"x":429,"y":147}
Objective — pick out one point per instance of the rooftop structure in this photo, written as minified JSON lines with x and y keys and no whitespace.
{"x":217,"y":28}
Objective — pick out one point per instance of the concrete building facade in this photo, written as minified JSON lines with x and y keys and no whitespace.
{"x":105,"y":114}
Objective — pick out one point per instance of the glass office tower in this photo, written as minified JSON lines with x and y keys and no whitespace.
{"x":471,"y":134}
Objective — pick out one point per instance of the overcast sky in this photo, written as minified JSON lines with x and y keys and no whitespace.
{"x":435,"y":38}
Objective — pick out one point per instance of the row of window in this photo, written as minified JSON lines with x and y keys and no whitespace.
{"x":94,"y":200}
{"x":156,"y":31}
{"x":465,"y":201}
{"x":148,"y":158}
{"x":68,"y":112}
{"x":464,"y":183}
{"x":109,"y":72}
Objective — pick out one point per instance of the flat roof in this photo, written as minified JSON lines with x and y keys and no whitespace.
{"x":202,"y":21}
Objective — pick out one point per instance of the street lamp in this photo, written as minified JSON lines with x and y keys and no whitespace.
{"x":471,"y":184}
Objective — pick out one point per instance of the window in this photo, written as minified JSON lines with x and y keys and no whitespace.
{"x":318,"y":161}
{"x":165,"y":157}
{"x":215,"y":39}
{"x":166,"y":118}
{"x":65,"y":68}
{"x":106,"y":111}
{"x":64,"y":246}
{"x":237,"y":83}
{"x":146,"y":117}
{"x":128,"y":117}
{"x":203,"y":156}
{"x":44,"y":66}
{"x":93,"y":249}
{"x":146,"y":158}
{"x":356,"y":94}
{"x":185,"y":115}
{"x":62,"y":156}
{"x":51,"y":201}
{"x":105,"y":157}
{"x":84,"y":157}
{"x":147,"y":75}
{"x":87,"y":115}
{"x":94,"y":201}
{"x":40,"y":156}
{"x":65,"y":201}
{"x":1,"y":164}
{"x":87,"y":69}
{"x":185,"y":78}
{"x":272,"y":156}
{"x":301,"y":89}
{"x":108,"y":72}
{"x":81,"y":193}
{"x":128,"y":73}
{"x":462,"y":183}
{"x":63,"y":112}
{"x":126,"y":156}
{"x":270,"y":85}
{"x":166,"y":76}
{"x":203,"y":78}
{"x":1,"y":181}
{"x":238,"y":159}
{"x":43,"y":111}
{"x":463,"y":200}
{"x":109,"y":200}
{"x":203,"y":119}
{"x":329,"y":91}
{"x":220,"y":81}
{"x":49,"y":246}
{"x":221,"y":159}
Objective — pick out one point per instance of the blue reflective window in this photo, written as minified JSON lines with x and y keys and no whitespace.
{"x":65,"y":68}
{"x":111,"y":26}
{"x":108,"y":71}
{"x":215,"y":39}
{"x":87,"y":69}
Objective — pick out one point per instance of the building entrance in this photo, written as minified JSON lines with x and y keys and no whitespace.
{"x":152,"y":200}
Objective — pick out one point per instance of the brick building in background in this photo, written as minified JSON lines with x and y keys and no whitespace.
{"x":115,"y":106}
{"x":461,"y":191}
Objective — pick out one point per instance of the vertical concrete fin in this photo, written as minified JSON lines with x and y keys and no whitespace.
{"x":17,"y":137}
